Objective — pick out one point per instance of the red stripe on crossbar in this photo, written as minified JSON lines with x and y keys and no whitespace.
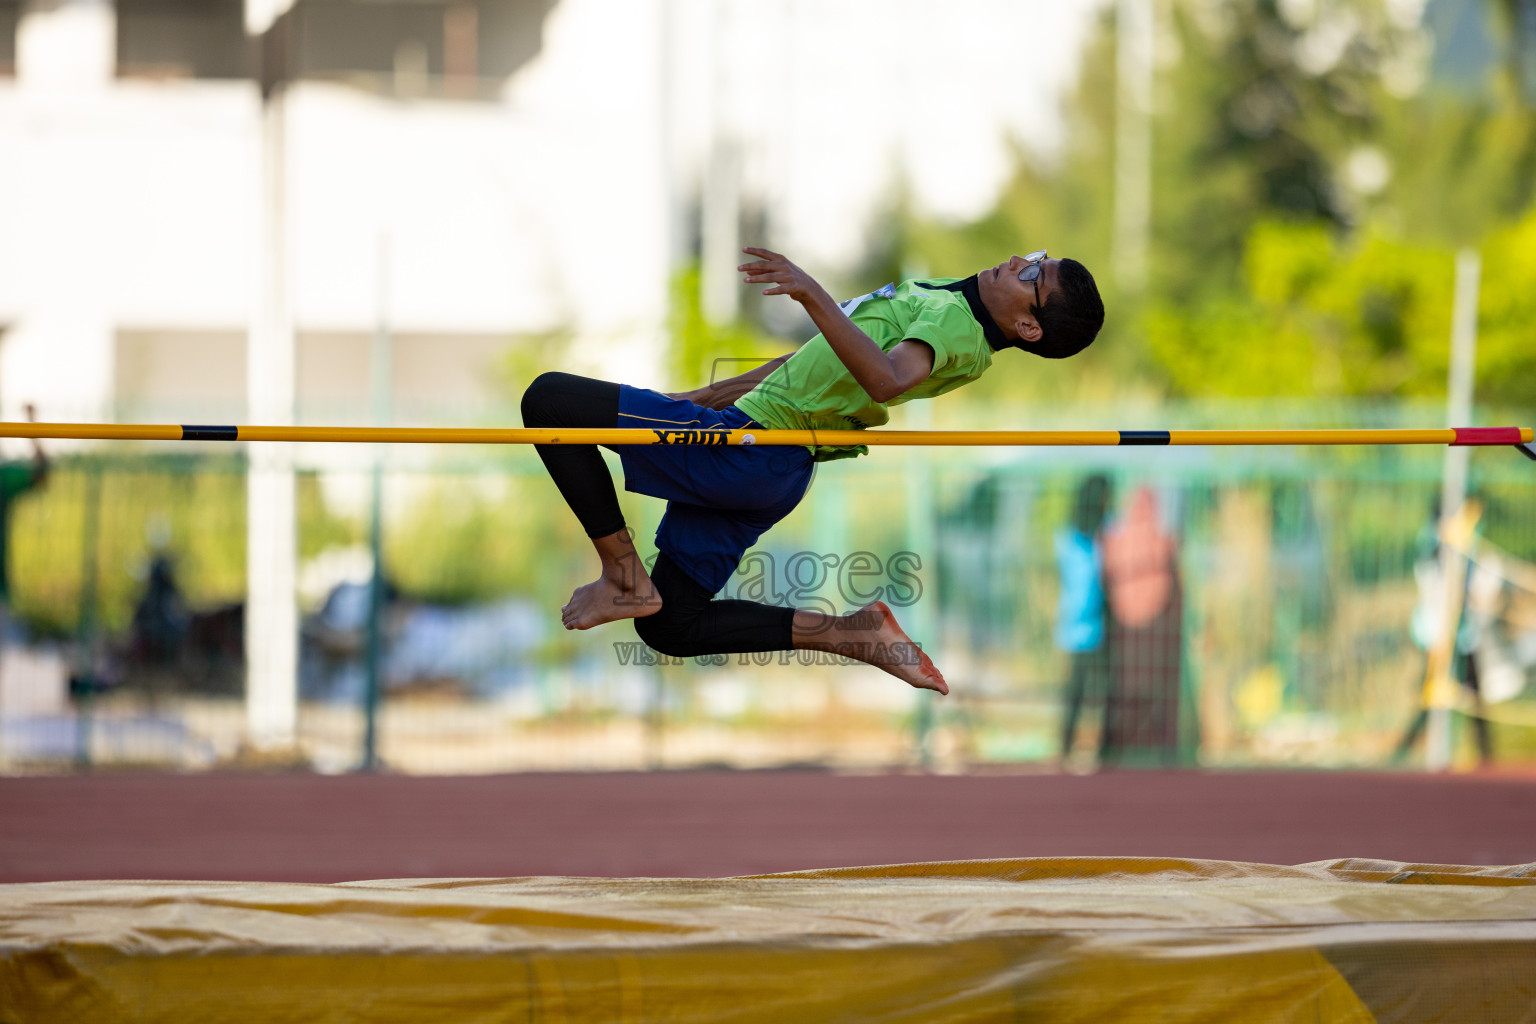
{"x":1486,"y":435}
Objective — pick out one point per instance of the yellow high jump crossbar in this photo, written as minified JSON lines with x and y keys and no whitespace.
{"x":1519,"y":437}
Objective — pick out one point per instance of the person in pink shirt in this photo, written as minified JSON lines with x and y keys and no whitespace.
{"x":1141,"y":719}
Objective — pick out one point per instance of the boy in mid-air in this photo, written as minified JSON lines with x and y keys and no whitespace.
{"x":919,"y":339}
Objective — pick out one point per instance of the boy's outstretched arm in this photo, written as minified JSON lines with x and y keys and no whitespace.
{"x":883,"y":375}
{"x":721,"y":393}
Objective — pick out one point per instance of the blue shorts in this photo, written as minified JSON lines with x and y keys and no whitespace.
{"x":720,"y":499}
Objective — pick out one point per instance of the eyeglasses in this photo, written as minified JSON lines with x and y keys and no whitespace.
{"x":1031,"y":273}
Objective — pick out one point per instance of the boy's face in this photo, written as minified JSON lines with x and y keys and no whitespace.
{"x":1010,"y":300}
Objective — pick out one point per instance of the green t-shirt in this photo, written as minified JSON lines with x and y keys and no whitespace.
{"x":813,"y":390}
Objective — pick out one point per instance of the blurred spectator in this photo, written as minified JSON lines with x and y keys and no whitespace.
{"x":1141,"y":712}
{"x":173,"y":648}
{"x":160,"y":618}
{"x":1424,"y":628}
{"x":16,"y":478}
{"x":1080,"y":610}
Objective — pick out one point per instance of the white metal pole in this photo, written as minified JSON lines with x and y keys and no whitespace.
{"x":1453,"y":492}
{"x":922,"y":542}
{"x":381,"y":372}
{"x":271,"y":611}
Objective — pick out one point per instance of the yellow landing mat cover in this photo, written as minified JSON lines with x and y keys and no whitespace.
{"x":1086,"y":939}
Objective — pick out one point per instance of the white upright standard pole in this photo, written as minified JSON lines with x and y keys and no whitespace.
{"x":922,"y":542}
{"x":271,"y":611}
{"x":1453,"y":492}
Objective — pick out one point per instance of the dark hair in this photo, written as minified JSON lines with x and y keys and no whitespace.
{"x":1071,"y":317}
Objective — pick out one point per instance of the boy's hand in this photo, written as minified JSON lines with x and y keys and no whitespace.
{"x":787,"y":278}
{"x":883,"y":375}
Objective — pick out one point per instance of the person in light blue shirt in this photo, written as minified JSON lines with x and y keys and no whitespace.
{"x":1080,"y":607}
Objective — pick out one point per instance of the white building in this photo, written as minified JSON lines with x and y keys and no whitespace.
{"x":130,"y":254}
{"x":472,"y":174}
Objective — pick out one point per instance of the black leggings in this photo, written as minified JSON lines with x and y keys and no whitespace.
{"x":566,"y":400}
{"x":689,"y":624}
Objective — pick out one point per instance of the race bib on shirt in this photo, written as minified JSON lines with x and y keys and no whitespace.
{"x":888,"y":292}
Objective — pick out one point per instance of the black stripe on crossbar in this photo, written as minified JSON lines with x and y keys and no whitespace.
{"x":198,"y":432}
{"x":1144,"y":437}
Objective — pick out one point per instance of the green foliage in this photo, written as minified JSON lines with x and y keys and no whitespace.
{"x":1506,"y":344}
{"x":1326,"y":314}
{"x":102,"y":519}
{"x":1315,"y":316}
{"x":1309,"y":194}
{"x":699,"y":352}
{"x":467,"y":539}
{"x":1462,"y":169}
{"x":192,"y":511}
{"x":320,"y":527}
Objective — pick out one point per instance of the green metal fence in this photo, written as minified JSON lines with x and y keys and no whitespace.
{"x":1276,"y":630}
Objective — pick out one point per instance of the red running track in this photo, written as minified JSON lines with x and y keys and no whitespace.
{"x":325,"y":829}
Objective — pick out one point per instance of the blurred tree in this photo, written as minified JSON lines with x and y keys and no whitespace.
{"x":1520,"y":47}
{"x":1311,"y":184}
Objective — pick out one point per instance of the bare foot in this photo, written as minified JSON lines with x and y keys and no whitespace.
{"x":903,"y":658}
{"x":872,"y":636}
{"x":606,"y":599}
{"x":623,"y":591}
